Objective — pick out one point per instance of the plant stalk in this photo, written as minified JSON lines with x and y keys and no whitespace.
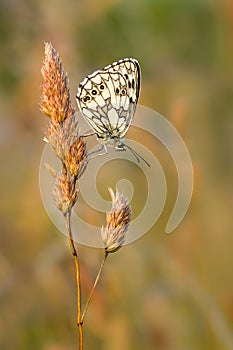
{"x":67,"y":219}
{"x":94,"y":286}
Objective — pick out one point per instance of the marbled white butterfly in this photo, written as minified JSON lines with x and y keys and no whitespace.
{"x":108,"y":99}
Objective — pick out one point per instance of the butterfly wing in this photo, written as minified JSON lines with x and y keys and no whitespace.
{"x":108,"y":98}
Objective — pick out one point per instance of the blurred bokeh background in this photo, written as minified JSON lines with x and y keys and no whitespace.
{"x":163,"y":292}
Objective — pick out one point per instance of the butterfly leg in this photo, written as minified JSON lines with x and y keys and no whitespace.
{"x":89,"y":134}
{"x":96,"y":152}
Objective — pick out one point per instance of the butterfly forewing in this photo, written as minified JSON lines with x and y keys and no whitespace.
{"x":108,"y":97}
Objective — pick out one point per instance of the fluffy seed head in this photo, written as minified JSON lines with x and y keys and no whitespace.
{"x":55,"y":99}
{"x":113,"y":235}
{"x":64,"y":192}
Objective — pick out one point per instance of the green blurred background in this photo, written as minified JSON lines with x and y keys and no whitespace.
{"x":165,"y":292}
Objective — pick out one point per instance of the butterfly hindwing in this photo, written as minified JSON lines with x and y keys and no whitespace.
{"x":108,"y":97}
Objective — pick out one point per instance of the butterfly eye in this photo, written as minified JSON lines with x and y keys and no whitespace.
{"x":86,"y":98}
{"x":94,"y":92}
{"x":123,"y":92}
{"x":117,"y":91}
{"x":102,"y":87}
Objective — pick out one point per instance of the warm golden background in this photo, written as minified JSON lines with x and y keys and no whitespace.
{"x":164,"y":292}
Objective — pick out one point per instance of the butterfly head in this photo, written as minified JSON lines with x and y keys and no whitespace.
{"x":110,"y":138}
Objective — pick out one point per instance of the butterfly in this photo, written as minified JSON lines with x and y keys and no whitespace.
{"x":108,"y":99}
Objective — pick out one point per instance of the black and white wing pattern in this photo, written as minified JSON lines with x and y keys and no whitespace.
{"x":108,"y":98}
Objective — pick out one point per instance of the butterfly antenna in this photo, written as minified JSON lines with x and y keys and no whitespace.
{"x":136,"y":155}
